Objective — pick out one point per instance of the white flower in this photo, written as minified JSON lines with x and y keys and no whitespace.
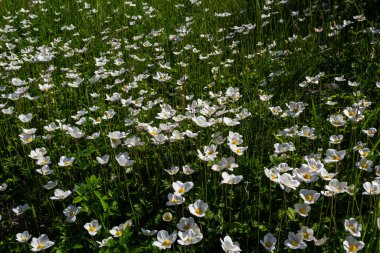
{"x":3,"y":187}
{"x":70,"y":212}
{"x":229,"y":246}
{"x":187,"y":170}
{"x":238,"y":150}
{"x":50,"y":185}
{"x":269,"y":242}
{"x":189,"y":237}
{"x":287,"y":182}
{"x":302,"y":209}
{"x":103,"y":160}
{"x":23,"y":237}
{"x":175,"y":199}
{"x":37,"y":153}
{"x":147,"y":232}
{"x":92,"y":227}
{"x":309,"y":196}
{"x":231,"y":179}
{"x":210,"y":153}
{"x":66,"y":161}
{"x":353,"y":227}
{"x":162,"y":77}
{"x":60,"y":194}
{"x":295,"y":241}
{"x":333,"y":156}
{"x":199,"y":208}
{"x":41,"y":243}
{"x":45,"y":170}
{"x":164,"y":240}
{"x":182,"y":188}
{"x":20,"y":209}
{"x":104,"y":242}
{"x":351,"y":245}
{"x":307,"y":233}
{"x":25,"y":117}
{"x":123,"y":160}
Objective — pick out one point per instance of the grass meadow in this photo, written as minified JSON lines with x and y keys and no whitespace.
{"x":189,"y":126}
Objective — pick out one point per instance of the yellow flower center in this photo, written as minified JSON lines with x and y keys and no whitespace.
{"x":198,"y":211}
{"x":92,"y":229}
{"x":306,"y":176}
{"x":181,"y":190}
{"x":268,"y":244}
{"x":166,"y":243}
{"x":187,"y":226}
{"x":40,"y":245}
{"x":335,"y":157}
{"x":118,"y":233}
{"x":28,"y":140}
{"x":294,"y":243}
{"x":309,"y":197}
{"x":351,"y":114}
{"x":353,"y":248}
{"x":302,"y":211}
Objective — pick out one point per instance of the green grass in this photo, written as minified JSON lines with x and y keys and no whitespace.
{"x":260,"y":48}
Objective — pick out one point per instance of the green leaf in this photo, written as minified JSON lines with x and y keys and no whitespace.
{"x":77,"y":199}
{"x":291,"y":214}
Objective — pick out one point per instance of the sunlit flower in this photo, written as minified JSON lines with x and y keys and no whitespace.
{"x":175,"y":199}
{"x":320,"y":242}
{"x":353,"y":226}
{"x":124,"y":160}
{"x":187,"y":170}
{"x":66,"y":161}
{"x":41,"y":243}
{"x":287,"y":182}
{"x":162,"y":77}
{"x":336,"y":139}
{"x":210,"y":153}
{"x":199,"y":208}
{"x":164,"y":240}
{"x":23,"y":237}
{"x":92,"y":227}
{"x":45,"y":170}
{"x":307,"y":233}
{"x":269,"y":242}
{"x":302,"y":209}
{"x":167,"y":216}
{"x":25,"y":118}
{"x":229,"y":246}
{"x":231,"y":179}
{"x":371,"y":188}
{"x":333,"y":156}
{"x":182,"y":188}
{"x":189,"y":237}
{"x":295,"y":241}
{"x":351,"y":245}
{"x":370,"y":132}
{"x":309,"y":196}
{"x":104,"y":242}
{"x":118,"y":231}
{"x":337,"y":120}
{"x":365,"y":164}
{"x":60,"y":194}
